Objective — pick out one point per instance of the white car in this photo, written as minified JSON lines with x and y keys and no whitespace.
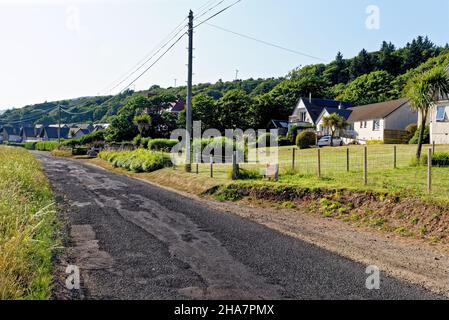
{"x":326,"y":142}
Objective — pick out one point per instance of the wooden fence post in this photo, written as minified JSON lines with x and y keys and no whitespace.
{"x":429,"y":171}
{"x":293,"y":159}
{"x":347,"y":159}
{"x":319,"y":162}
{"x":211,"y":166}
{"x":433,"y":147}
{"x":365,"y":165}
{"x":235,"y":166}
{"x":197,"y":164}
{"x":395,"y":159}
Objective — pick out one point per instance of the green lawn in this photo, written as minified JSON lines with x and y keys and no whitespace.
{"x":406,"y":179}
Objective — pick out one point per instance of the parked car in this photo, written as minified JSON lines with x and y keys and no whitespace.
{"x":326,"y":142}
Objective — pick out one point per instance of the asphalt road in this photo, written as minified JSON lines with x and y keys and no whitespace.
{"x":132,"y":240}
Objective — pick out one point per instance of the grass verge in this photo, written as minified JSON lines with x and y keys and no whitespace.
{"x":28,"y":226}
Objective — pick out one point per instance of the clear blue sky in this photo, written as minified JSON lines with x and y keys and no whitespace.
{"x":46,"y":55}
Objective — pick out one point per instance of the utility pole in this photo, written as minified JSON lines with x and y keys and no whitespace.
{"x":59,"y":124}
{"x":189,"y":119}
{"x":237,"y":74}
{"x":176,"y":82}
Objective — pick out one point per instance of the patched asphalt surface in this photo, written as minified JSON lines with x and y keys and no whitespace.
{"x":132,"y":240}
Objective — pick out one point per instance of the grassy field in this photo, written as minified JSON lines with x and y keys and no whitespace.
{"x":382,"y":177}
{"x":27,"y":227}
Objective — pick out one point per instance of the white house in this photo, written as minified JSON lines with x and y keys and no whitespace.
{"x":308,"y":110}
{"x":385,"y":121}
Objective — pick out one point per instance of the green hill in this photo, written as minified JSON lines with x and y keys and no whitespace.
{"x":369,"y":77}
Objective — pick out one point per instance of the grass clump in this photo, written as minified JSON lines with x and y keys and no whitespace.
{"x":27,"y":227}
{"x":139,"y":160}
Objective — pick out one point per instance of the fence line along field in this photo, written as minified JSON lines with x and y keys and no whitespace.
{"x":390,"y":168}
{"x":27,"y":227}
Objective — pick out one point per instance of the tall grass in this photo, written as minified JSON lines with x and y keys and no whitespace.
{"x":27,"y":227}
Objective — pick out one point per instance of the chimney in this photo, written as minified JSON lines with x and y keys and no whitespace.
{"x":310,"y":97}
{"x":340,"y":106}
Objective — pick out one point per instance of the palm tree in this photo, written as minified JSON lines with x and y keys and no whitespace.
{"x":334,"y":123}
{"x":424,"y":91}
{"x":143,"y":123}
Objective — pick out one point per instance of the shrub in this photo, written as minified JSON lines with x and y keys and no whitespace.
{"x":144,"y":142}
{"x":373,"y":142}
{"x":64,"y":153}
{"x":137,"y":140}
{"x":139,"y":160}
{"x":246,"y":174}
{"x":426,"y":138}
{"x":215,"y":143}
{"x":47,"y":145}
{"x":439,"y":159}
{"x":306,"y":139}
{"x":30,"y":145}
{"x":284,"y":141}
{"x":164,"y":145}
{"x":79,"y":151}
{"x":411,"y":130}
{"x":15,"y":144}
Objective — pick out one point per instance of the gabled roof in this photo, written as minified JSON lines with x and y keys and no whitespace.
{"x":280,"y":124}
{"x":178,"y":106}
{"x":316,"y":106}
{"x":14,"y":131}
{"x":376,"y":110}
{"x":29,"y":132}
{"x":84,"y":131}
{"x":344,"y":113}
{"x":52,"y":133}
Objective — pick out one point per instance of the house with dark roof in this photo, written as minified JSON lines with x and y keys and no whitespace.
{"x":52,"y":133}
{"x":29,"y":134}
{"x":77,"y":133}
{"x":10,"y":134}
{"x":280,"y":125}
{"x":385,"y":121}
{"x":308,"y":110}
{"x":177,"y":107}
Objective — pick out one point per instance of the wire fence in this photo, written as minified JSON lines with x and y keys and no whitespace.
{"x":378,"y":167}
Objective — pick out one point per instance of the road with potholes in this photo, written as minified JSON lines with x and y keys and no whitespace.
{"x":132,"y":240}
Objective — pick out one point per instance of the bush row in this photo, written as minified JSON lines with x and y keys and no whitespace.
{"x":139,"y":160}
{"x":46,"y":145}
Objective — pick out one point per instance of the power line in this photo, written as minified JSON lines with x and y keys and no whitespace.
{"x":266,"y":42}
{"x":34,"y":117}
{"x":209,"y":10}
{"x":219,"y":12}
{"x":156,"y":61}
{"x":148,"y":59}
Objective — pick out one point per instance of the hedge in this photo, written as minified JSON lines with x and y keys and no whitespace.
{"x":47,"y":145}
{"x":139,"y":160}
{"x":164,"y":145}
{"x":306,"y":139}
{"x":30,"y":145}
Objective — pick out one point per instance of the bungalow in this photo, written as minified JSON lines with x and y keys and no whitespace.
{"x":280,"y":125}
{"x":307,"y":111}
{"x":177,"y":107}
{"x":11,"y":134}
{"x":51,"y":133}
{"x":385,"y":121}
{"x":77,"y":133}
{"x":29,"y":134}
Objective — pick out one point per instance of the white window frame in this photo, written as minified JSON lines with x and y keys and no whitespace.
{"x":376,"y":128}
{"x":444,"y":115}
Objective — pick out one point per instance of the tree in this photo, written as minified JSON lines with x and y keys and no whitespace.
{"x":337,"y":71}
{"x":369,"y":88}
{"x":233,"y":110}
{"x":334,"y":123}
{"x":424,"y":90}
{"x":388,"y":59}
{"x":203,"y":108}
{"x":362,"y":64}
{"x":143,"y":123}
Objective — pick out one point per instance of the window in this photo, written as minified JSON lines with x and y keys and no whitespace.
{"x":302,"y":116}
{"x":363,"y":125}
{"x":376,"y":125}
{"x":441,"y":114}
